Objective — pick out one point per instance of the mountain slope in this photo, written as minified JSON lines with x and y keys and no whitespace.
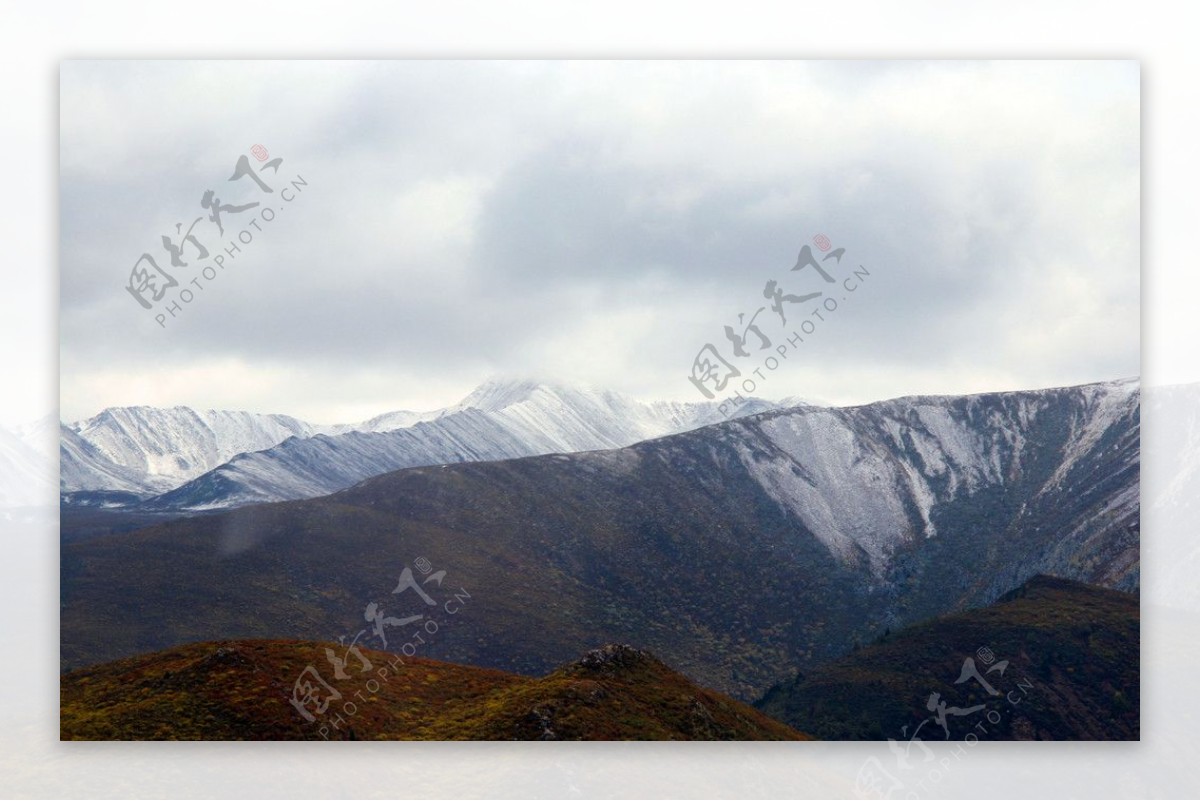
{"x":499,"y":420}
{"x":739,"y":551}
{"x":242,"y":690}
{"x":1072,"y":673}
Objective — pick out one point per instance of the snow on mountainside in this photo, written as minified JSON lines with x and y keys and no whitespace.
{"x":864,"y":480}
{"x":499,"y":420}
{"x":389,"y":421}
{"x":84,"y":467}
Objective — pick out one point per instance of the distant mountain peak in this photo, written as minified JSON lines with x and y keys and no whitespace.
{"x":501,"y":392}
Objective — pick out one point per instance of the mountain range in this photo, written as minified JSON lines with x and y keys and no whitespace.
{"x":185,"y":460}
{"x":143,"y":449}
{"x":739,"y":552}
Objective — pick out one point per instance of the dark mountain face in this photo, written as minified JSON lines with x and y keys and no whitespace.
{"x":740,"y":552}
{"x":244,"y":690}
{"x":1052,"y":660}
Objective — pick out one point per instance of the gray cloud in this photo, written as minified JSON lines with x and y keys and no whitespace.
{"x":599,"y":222}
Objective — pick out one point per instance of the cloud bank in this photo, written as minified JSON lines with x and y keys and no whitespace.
{"x":597,"y":222}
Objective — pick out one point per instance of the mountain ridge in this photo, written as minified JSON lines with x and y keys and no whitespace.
{"x":243,"y":690}
{"x":499,"y":419}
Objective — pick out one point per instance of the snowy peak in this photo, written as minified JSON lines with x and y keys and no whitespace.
{"x":499,"y":393}
{"x":388,"y":421}
{"x":576,"y":417}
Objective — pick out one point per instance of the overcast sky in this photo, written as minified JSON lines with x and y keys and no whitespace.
{"x":595,"y":222}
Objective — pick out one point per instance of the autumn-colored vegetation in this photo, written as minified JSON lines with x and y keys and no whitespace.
{"x":242,"y":690}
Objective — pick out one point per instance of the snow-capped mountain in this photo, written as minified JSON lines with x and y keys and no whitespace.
{"x":562,"y":419}
{"x":501,"y":419}
{"x":741,"y":551}
{"x":149,"y":450}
